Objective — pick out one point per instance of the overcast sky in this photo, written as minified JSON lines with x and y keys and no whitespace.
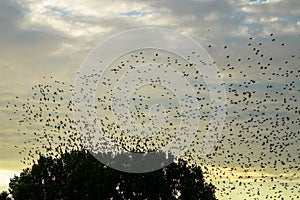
{"x":52,"y":38}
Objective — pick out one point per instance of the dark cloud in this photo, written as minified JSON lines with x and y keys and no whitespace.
{"x":20,"y":42}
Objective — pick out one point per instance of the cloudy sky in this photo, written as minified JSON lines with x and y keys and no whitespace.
{"x":52,"y":38}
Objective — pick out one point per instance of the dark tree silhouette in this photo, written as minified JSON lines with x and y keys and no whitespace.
{"x":3,"y":195}
{"x":78,"y":175}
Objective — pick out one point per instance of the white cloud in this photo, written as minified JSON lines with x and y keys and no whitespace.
{"x":53,"y":37}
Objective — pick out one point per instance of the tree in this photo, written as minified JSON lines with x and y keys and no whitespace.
{"x":4,"y":195}
{"x":78,"y":175}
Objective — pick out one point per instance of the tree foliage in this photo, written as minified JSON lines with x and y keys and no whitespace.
{"x":3,"y":195}
{"x":78,"y":175}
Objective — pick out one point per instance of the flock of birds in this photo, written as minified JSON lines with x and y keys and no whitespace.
{"x":260,"y":140}
{"x":45,"y":120}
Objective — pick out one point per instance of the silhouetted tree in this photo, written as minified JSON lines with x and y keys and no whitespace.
{"x":78,"y":175}
{"x":4,"y":195}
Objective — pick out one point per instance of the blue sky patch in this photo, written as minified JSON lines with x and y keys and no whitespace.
{"x":57,"y":10}
{"x":258,"y":1}
{"x":132,"y":14}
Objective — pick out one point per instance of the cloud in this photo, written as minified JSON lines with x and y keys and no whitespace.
{"x":52,"y":38}
{"x":24,"y":52}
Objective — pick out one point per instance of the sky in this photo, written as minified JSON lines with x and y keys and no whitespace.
{"x":52,"y":38}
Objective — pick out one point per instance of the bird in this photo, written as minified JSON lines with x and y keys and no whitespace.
{"x":259,"y":140}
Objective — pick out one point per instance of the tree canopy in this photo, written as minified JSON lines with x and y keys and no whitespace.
{"x":78,"y":175}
